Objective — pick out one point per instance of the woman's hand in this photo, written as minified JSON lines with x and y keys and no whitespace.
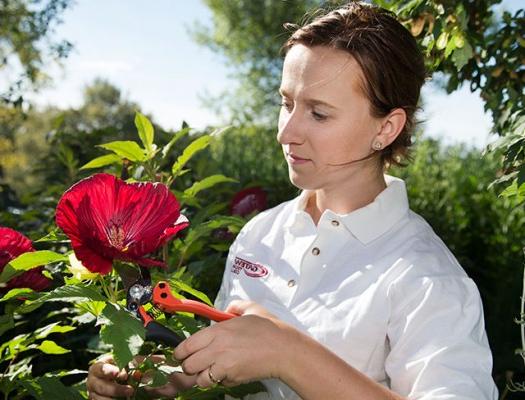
{"x":102,"y":381}
{"x":253,"y":346}
{"x":104,"y":377}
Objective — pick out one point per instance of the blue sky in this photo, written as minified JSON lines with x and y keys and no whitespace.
{"x":143,"y":48}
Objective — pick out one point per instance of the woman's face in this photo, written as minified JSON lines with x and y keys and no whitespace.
{"x":325,"y":118}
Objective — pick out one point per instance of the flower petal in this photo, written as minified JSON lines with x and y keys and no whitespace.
{"x":93,"y":261}
{"x":12,"y":244}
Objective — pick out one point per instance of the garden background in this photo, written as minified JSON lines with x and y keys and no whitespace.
{"x":472,"y":194}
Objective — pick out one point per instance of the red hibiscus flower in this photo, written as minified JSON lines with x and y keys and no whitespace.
{"x":247,"y":201}
{"x":108,"y":219}
{"x":12,"y":244}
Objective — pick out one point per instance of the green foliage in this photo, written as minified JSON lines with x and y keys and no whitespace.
{"x":250,"y":38}
{"x":27,"y":261}
{"x":95,"y":302}
{"x":471,"y":44}
{"x":123,"y":332}
{"x":26,"y":39}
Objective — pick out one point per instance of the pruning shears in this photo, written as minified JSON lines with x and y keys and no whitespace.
{"x":141,"y":292}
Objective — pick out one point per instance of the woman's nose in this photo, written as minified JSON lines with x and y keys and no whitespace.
{"x":288,"y":128}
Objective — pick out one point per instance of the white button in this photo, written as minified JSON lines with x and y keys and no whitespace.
{"x":335,"y":223}
{"x":291,"y":283}
{"x":316,"y":251}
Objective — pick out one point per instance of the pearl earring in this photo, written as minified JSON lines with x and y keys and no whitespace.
{"x":377,"y":145}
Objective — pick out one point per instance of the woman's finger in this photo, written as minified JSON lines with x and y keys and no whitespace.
{"x":207,"y":379}
{"x":198,"y":362}
{"x":194,"y":343}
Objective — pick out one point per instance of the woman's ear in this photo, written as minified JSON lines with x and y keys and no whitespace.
{"x":392,"y":126}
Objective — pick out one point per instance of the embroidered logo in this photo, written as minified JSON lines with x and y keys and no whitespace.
{"x":253,"y":270}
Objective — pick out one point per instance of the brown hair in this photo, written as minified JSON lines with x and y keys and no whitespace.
{"x":392,"y":65}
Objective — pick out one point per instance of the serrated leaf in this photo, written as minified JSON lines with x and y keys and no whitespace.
{"x":70,"y":293}
{"x":50,"y":347}
{"x":27,"y":261}
{"x":123,"y":332}
{"x":49,"y":388}
{"x":126,"y":149}
{"x":188,"y":289}
{"x":194,"y":147}
{"x":145,"y":129}
{"x":206,"y":183}
{"x":103,"y":161}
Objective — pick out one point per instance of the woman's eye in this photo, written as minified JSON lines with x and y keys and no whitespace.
{"x":287,"y":106}
{"x":318,"y":117}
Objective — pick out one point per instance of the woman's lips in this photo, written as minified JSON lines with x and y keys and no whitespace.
{"x":293,"y":159}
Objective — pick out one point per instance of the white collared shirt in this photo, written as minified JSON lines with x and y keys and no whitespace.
{"x":375,"y":286}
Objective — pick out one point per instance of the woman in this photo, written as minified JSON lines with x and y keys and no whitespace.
{"x":343,"y":292}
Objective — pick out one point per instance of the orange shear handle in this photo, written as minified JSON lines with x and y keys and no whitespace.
{"x":165,"y":301}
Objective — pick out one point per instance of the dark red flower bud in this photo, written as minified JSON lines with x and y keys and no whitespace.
{"x":108,"y":219}
{"x":247,"y":201}
{"x":13,"y":244}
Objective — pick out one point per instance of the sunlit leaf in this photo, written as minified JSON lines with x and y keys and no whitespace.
{"x":70,"y":293}
{"x":44,"y":332}
{"x":166,"y":149}
{"x":103,"y":161}
{"x":27,"y":261}
{"x":194,"y":147}
{"x":50,"y":347}
{"x":17,"y":292}
{"x":145,"y":129}
{"x":178,"y":284}
{"x":125,"y":149}
{"x":123,"y":332}
{"x":56,"y":235}
{"x":206,"y":183}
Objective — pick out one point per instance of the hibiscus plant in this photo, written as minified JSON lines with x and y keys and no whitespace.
{"x":70,"y":292}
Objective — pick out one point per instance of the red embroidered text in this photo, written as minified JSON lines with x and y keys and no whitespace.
{"x":253,"y":270}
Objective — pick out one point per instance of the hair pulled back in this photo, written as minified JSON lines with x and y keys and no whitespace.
{"x":391,"y":62}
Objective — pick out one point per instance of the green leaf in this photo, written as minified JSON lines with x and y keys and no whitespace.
{"x":194,"y":147}
{"x":49,"y":388}
{"x":30,"y":260}
{"x":125,"y":149}
{"x":44,"y":332}
{"x":123,"y":332}
{"x":159,"y":378}
{"x":174,"y":139}
{"x":102,"y":161}
{"x":461,"y":56}
{"x":237,"y":392}
{"x":50,"y":347}
{"x":442,"y":41}
{"x":206,"y":183}
{"x":14,"y":293}
{"x":55,"y":235}
{"x":145,"y":129}
{"x":70,"y":293}
{"x":176,"y":283}
{"x":6,"y":323}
